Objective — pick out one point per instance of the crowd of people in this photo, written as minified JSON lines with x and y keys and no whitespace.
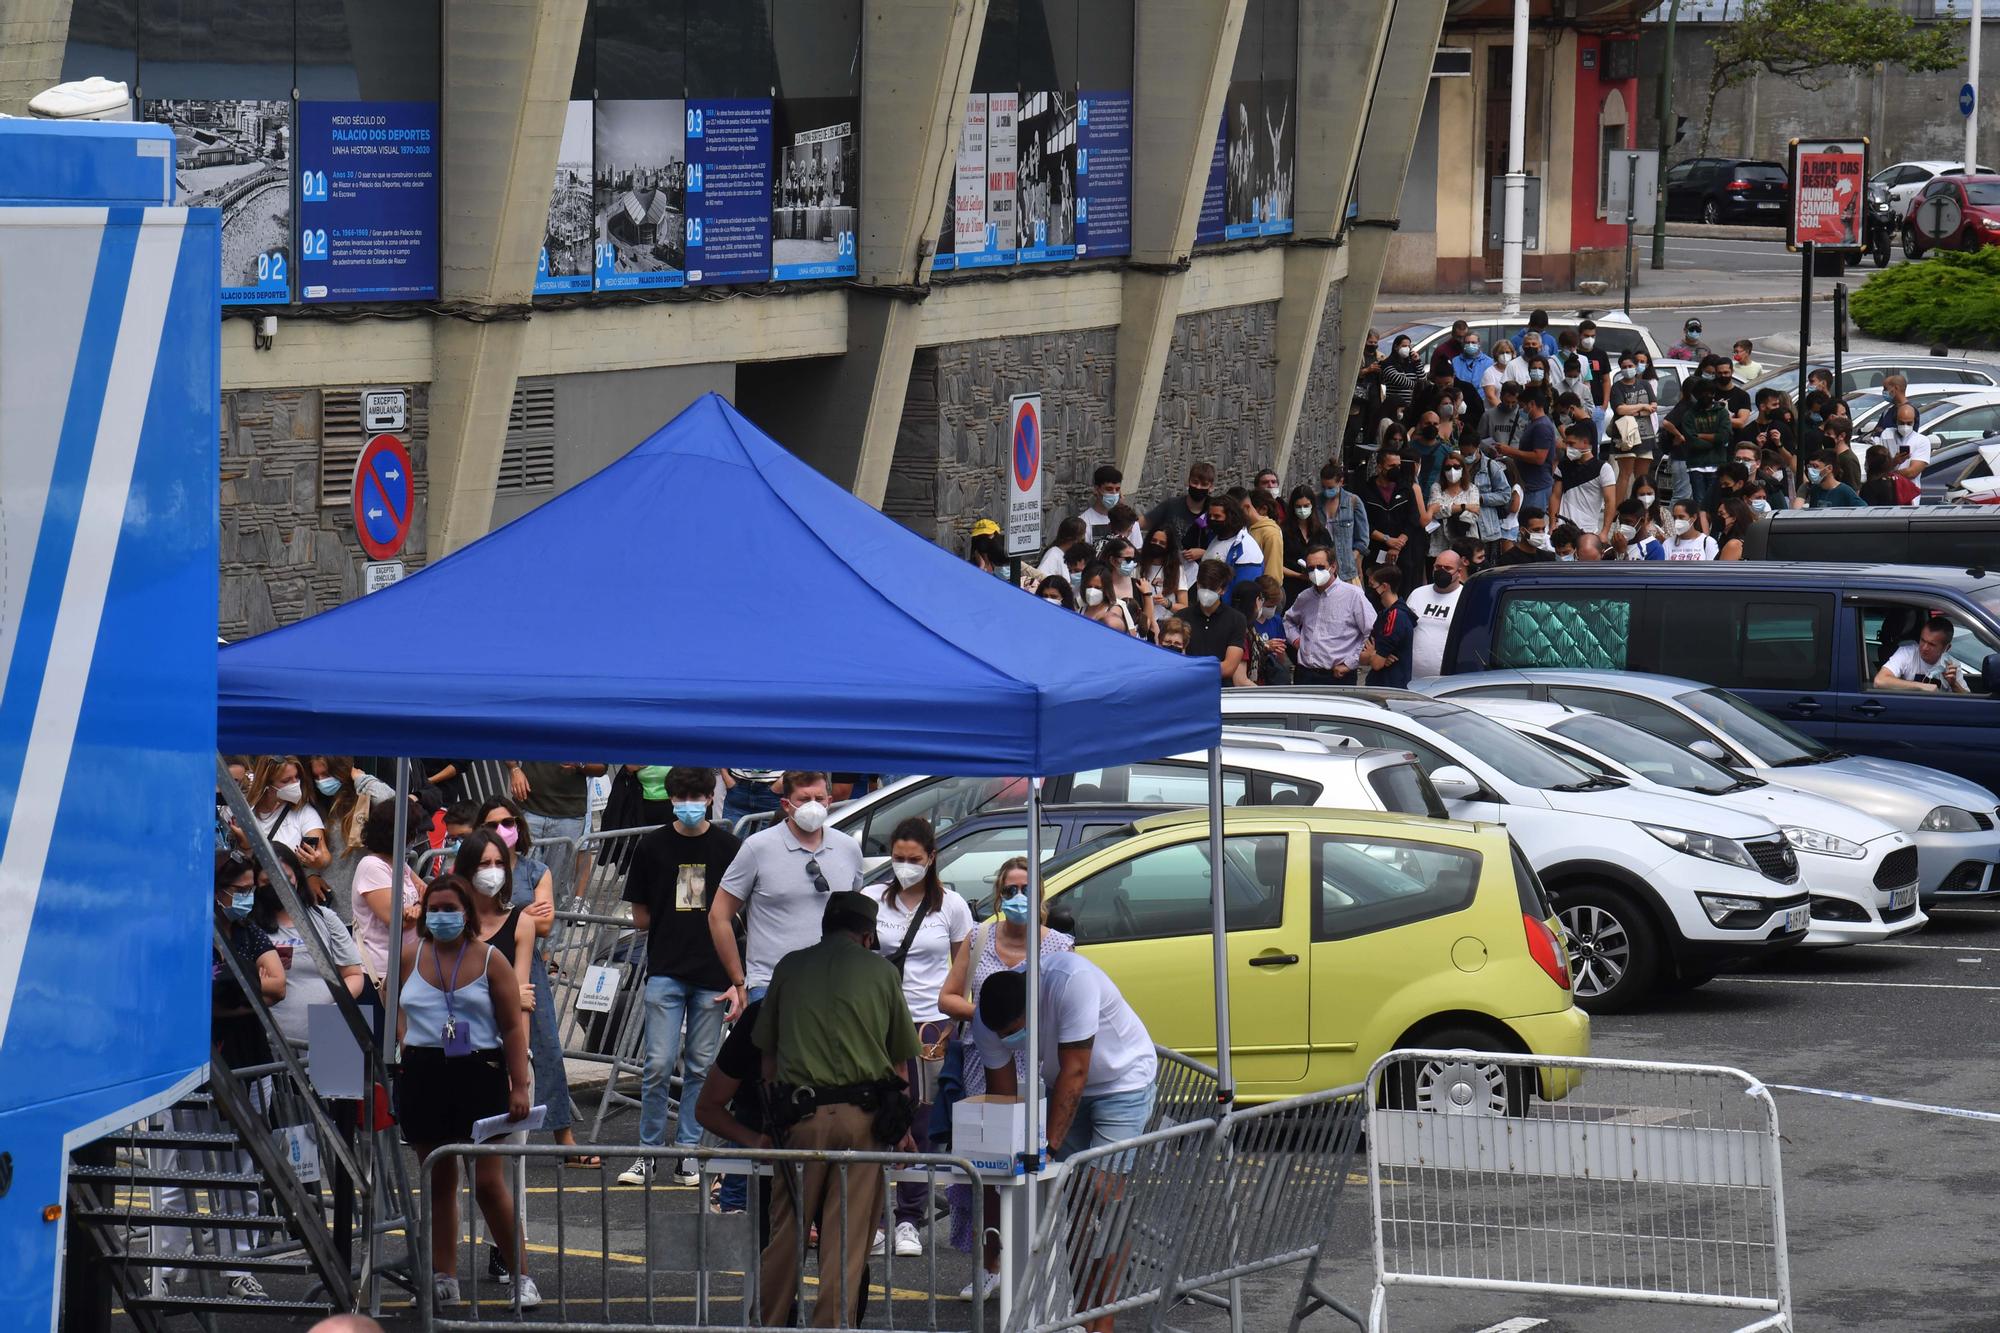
{"x":799,"y":1007}
{"x":1545,"y":447}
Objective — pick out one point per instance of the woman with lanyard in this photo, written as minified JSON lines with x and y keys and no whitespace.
{"x":529,"y":883}
{"x":999,"y":944}
{"x":278,"y":802}
{"x":1303,"y":531}
{"x":922,"y":930}
{"x":465,"y":1059}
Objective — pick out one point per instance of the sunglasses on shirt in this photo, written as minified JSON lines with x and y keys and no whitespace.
{"x":817,"y":876}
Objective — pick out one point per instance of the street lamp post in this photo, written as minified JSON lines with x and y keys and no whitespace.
{"x":1666,"y":116}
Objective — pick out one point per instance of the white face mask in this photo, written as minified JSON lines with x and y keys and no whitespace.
{"x":1588,"y":343}
{"x":1093,"y":597}
{"x":908,"y":873}
{"x":1682,"y":526}
{"x":289,"y":793}
{"x":489,"y":880}
{"x":1577,"y":454}
{"x":1541,"y":541}
{"x":1320,"y":576}
{"x":1453,"y":473}
{"x":810,"y":817}
{"x":1303,"y":511}
{"x":1208,"y":597}
{"x":1624,"y":531}
{"x":1274,"y":492}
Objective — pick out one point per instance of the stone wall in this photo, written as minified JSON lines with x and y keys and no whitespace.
{"x":284,"y":555}
{"x":1218,"y":399}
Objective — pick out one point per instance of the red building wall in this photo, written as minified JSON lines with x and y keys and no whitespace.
{"x":1589,"y":232}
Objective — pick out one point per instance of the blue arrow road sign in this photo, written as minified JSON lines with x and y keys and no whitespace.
{"x":1967,"y":99}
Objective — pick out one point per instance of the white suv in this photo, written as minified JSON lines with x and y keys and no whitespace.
{"x":1654,"y":890}
{"x":1860,"y":871}
{"x":1257,"y":769}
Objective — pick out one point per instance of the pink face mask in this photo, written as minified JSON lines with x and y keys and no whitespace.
{"x":508,"y":834}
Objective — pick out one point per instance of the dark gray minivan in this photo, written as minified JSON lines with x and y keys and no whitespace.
{"x":1956,"y":536}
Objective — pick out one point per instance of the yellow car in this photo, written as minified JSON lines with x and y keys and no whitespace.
{"x":1350,"y":935}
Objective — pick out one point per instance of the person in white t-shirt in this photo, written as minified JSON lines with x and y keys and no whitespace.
{"x":1097,"y":1059}
{"x":1055,"y":560}
{"x":1687,"y":541}
{"x":923,"y":928}
{"x":1923,"y":664}
{"x":280,"y":807}
{"x":1908,"y":447}
{"x":1431,"y":608}
{"x":1107,"y":486}
{"x":374,"y":906}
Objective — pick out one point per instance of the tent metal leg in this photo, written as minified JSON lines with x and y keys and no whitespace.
{"x":1218,"y":927}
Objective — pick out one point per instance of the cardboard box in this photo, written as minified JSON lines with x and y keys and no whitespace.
{"x":989,"y":1131}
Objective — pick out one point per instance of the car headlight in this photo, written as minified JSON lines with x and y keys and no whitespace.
{"x":1708,"y":846}
{"x":1720,"y":908}
{"x":1949,"y":819}
{"x":1826,"y":844}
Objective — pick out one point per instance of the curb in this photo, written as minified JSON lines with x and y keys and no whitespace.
{"x":1598,"y":306}
{"x":1718,"y":232}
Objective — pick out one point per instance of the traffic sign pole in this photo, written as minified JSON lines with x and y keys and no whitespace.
{"x":1972,"y":83}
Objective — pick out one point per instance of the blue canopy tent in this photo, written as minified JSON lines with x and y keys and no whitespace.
{"x":711,"y":599}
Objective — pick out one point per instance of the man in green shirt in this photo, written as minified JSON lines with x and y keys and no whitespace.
{"x":834,"y":1025}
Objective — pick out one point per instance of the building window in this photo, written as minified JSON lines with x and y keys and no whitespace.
{"x":528,"y":461}
{"x":1611,"y":125}
{"x":340,"y":439}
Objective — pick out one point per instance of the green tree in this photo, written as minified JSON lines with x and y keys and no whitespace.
{"x":1807,"y":41}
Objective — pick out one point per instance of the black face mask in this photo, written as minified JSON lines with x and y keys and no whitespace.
{"x":1197,"y":497}
{"x":1442,"y":580}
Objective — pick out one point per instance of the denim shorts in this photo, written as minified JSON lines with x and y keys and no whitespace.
{"x":1111,"y":1118}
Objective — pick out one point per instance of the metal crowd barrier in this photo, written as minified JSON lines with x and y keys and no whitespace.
{"x":1650,"y":1182}
{"x":601,"y":1269}
{"x":1184,"y":1091}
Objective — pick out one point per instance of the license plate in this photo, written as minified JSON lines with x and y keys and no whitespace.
{"x":1901,"y":898}
{"x":1767,"y":205}
{"x":1797,"y":918}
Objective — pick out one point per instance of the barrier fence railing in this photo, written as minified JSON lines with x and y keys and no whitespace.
{"x":745,"y":1270}
{"x":1184,"y":1090}
{"x":1641,"y":1182}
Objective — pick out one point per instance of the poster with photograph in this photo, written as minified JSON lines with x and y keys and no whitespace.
{"x":236,"y":156}
{"x":964,"y":230}
{"x":1104,"y":174}
{"x":639,"y":193}
{"x":815,"y":194}
{"x":1258,"y":124}
{"x":567,"y":243}
{"x":1212,"y":223}
{"x":1002,"y":182}
{"x":728,"y":190}
{"x":368,"y":201}
{"x":1046,"y":177}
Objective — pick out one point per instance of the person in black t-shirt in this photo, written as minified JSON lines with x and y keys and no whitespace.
{"x":675,"y":872}
{"x":1215,"y":628}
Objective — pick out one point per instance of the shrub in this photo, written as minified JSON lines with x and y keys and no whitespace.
{"x":1951,"y":298}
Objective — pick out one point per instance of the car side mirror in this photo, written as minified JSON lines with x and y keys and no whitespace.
{"x":1455,"y":784}
{"x":1989,"y":674}
{"x":1709,"y":750}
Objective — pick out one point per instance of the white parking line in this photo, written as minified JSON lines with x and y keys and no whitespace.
{"x":1877,"y":985}
{"x":1941,"y":948}
{"x":1520,"y":1324}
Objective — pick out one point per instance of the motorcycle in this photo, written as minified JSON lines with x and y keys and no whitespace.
{"x":1878,"y":228}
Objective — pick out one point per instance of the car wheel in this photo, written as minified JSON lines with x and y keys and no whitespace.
{"x":1458,"y":1084}
{"x":1710,"y":213}
{"x":1614,"y":952}
{"x":1912,"y":247}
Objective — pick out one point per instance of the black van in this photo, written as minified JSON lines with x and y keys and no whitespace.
{"x":1801,"y":641}
{"x":1956,"y":536}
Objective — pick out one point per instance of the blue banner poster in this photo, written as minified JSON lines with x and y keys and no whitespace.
{"x":368,"y":201}
{"x":1212,"y":224}
{"x":1104,"y":174}
{"x":639,"y":190}
{"x":728,"y":190}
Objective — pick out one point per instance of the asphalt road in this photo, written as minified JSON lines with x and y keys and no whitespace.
{"x":1890,"y":1212}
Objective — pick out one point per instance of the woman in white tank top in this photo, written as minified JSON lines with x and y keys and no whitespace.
{"x":464,"y":1058}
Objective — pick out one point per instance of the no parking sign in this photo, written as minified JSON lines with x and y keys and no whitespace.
{"x":1024,"y":474}
{"x":382,"y":497}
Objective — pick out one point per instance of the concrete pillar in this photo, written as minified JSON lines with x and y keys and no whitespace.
{"x":1340,"y":49}
{"x":1390,"y":131}
{"x":507,"y":71}
{"x":1185,"y":49}
{"x":32,"y":36}
{"x":916,"y":63}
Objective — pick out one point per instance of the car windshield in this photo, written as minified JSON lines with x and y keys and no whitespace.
{"x":1770,"y":742}
{"x":1938,"y":411}
{"x":1983,"y":192}
{"x":1647,"y":755}
{"x":1514,"y":757}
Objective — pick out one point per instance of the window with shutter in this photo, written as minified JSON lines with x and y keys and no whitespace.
{"x":528,"y":462}
{"x":341,"y":438}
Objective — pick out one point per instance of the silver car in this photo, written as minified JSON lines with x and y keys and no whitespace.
{"x":1951,"y":820}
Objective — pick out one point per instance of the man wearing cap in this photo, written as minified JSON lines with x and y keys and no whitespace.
{"x":1690,"y":347}
{"x":834,"y":1031}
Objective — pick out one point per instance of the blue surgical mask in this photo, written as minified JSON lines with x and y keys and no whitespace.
{"x":690,"y":813}
{"x":328,"y":786}
{"x":1330,"y":492}
{"x":1128,"y":567}
{"x":1076,"y":581}
{"x":240,"y":904}
{"x":444,"y":926}
{"x":1016,"y":1041}
{"x":1760,"y":506}
{"x":1015,"y":909}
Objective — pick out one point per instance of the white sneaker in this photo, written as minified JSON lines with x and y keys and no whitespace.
{"x":444,"y":1290}
{"x":875,"y":1250}
{"x":908,"y":1243}
{"x":638,"y":1173}
{"x":248,"y":1288}
{"x":986,"y":1284}
{"x":530,"y":1294}
{"x":684,"y":1172}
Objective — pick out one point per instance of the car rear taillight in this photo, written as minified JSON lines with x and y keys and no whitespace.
{"x":1739,"y":185}
{"x":1546,"y":950}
